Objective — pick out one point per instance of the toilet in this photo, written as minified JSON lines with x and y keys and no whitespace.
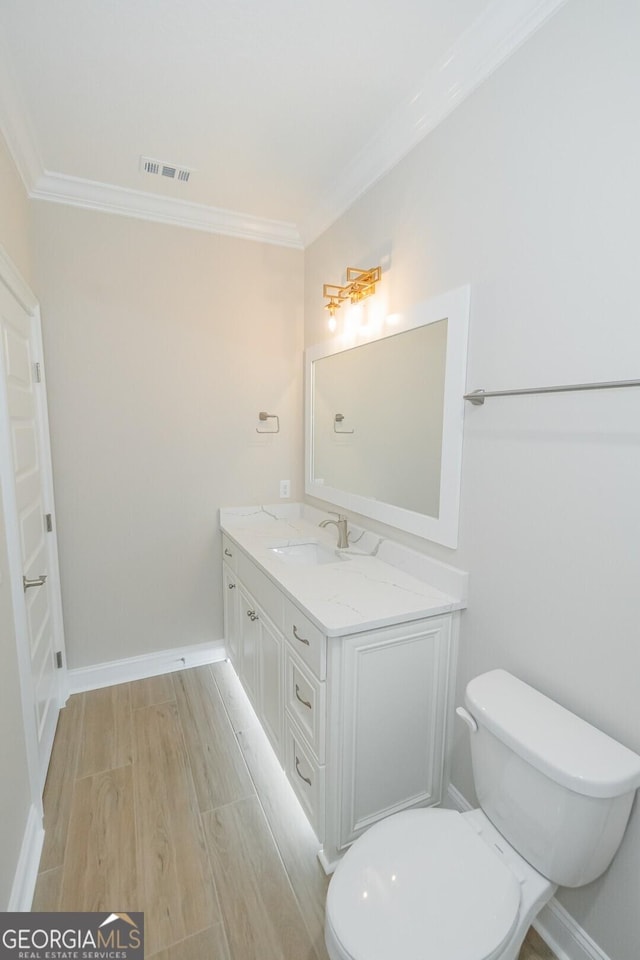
{"x":555,"y":796}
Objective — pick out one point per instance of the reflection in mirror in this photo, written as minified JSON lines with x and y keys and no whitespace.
{"x":362,"y":436}
{"x":385,"y":417}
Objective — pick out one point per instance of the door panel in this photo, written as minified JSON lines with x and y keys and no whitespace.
{"x":249,"y":627}
{"x":230,"y":602}
{"x":25,"y":448}
{"x":392,"y":716}
{"x":22,"y":412}
{"x":271,"y":697}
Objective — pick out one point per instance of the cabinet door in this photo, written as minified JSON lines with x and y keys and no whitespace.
{"x":393,"y":693}
{"x":249,"y":633}
{"x":230,"y":603}
{"x":270,"y":674}
{"x":304,"y":698}
{"x":306,"y":777}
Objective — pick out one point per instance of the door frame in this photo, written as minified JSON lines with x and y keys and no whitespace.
{"x":19,"y":289}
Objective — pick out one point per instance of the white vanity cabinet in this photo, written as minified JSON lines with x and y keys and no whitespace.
{"x":359,"y":722}
{"x":254,"y":644}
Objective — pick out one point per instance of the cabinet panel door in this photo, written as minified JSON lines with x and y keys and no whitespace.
{"x":394,"y":690}
{"x":305,"y":701}
{"x":306,"y":777}
{"x":271,"y":693}
{"x":249,"y":632}
{"x":306,"y":639}
{"x":230,"y":602}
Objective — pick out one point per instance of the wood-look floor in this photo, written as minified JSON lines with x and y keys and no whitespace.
{"x":164,"y":796}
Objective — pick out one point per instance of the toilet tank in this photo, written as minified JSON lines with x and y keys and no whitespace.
{"x":559,"y":790}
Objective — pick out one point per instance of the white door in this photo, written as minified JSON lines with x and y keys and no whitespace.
{"x":26,"y":484}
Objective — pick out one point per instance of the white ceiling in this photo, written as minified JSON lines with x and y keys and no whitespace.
{"x":285,"y":110}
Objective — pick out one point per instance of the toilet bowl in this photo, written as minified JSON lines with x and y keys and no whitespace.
{"x":433,"y":884}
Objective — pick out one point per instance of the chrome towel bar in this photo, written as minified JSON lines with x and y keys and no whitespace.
{"x":477,"y":397}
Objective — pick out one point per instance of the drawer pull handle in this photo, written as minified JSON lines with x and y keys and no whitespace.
{"x":232,"y":586}
{"x":298,"y":637}
{"x":302,"y":777}
{"x":298,"y":697}
{"x":227,"y":552}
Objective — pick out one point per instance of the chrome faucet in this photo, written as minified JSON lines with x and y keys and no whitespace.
{"x":343,"y":533}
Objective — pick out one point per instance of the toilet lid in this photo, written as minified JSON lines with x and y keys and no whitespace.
{"x":422,"y":885}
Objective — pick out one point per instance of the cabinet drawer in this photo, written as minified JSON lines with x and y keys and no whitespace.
{"x":264,"y":590}
{"x":305,"y":701}
{"x":306,"y":777}
{"x":308,"y":642}
{"x":229,"y":552}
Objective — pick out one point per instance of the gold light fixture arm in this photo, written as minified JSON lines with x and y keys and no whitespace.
{"x":360,"y":285}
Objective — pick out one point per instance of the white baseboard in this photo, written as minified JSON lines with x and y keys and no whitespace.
{"x":456,"y":800}
{"x":24,"y":881}
{"x":556,"y":926}
{"x":565,"y":936}
{"x":147,"y":665}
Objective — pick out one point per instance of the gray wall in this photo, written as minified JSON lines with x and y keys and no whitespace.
{"x":530,"y":193}
{"x":162,"y":345}
{"x":15,"y":793}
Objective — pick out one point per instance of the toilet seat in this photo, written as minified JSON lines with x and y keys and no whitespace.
{"x":417,"y":885}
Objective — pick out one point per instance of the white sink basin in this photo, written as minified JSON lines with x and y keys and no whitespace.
{"x":309,"y":553}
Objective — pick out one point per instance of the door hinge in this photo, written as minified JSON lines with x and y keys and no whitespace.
{"x":37,"y":373}
{"x":48,"y":519}
{"x":59,"y":659}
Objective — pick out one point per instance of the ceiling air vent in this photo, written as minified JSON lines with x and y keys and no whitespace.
{"x":160,"y":168}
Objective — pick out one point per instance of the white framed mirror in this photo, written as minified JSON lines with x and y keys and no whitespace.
{"x":385,"y":416}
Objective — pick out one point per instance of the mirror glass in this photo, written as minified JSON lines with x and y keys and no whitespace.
{"x":384,"y":419}
{"x":361,"y":436}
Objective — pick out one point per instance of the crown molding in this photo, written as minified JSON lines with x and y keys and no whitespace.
{"x":41,"y":184}
{"x":76,"y":192}
{"x":501,"y":29}
{"x":479,"y":51}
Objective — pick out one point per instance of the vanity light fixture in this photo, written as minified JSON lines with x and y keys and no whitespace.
{"x":360,"y":285}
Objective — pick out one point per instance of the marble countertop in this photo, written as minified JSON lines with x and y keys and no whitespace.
{"x":373,"y":583}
